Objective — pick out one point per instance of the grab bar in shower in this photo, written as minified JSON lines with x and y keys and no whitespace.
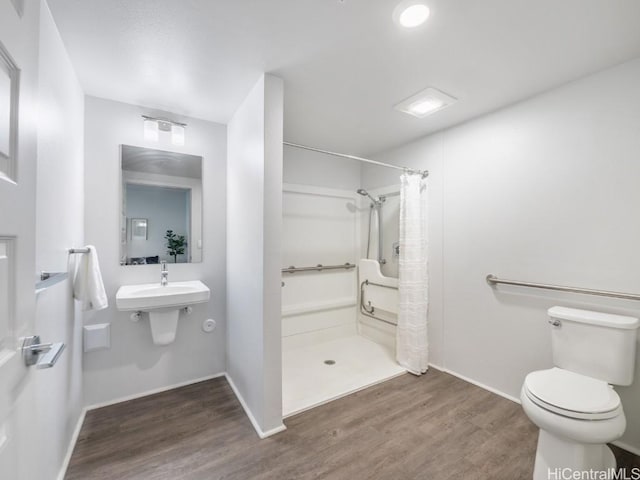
{"x":493,"y":280}
{"x":369,"y":312}
{"x":318,"y":268}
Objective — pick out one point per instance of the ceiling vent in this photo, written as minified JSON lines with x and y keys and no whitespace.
{"x":426,"y":102}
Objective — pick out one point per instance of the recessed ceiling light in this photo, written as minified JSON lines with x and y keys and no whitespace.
{"x":425,"y":103}
{"x":411,"y":13}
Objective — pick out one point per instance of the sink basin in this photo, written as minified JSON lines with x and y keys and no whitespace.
{"x":152,"y":296}
{"x":163,"y":303}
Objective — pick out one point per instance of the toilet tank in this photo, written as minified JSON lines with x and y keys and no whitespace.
{"x":599,"y":345}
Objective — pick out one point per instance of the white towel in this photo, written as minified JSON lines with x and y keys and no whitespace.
{"x":87,"y":285}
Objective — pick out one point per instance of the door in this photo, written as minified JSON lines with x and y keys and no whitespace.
{"x":19,"y":437}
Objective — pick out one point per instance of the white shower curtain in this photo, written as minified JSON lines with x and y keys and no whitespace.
{"x":412,"y":350}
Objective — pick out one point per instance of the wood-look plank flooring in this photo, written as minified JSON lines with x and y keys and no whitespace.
{"x":434,"y":427}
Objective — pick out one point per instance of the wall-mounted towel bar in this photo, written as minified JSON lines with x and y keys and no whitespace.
{"x":368,"y":312}
{"x":78,"y":250}
{"x":493,"y":280}
{"x":318,"y":268}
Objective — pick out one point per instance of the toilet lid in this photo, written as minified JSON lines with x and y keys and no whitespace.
{"x":572,"y":394}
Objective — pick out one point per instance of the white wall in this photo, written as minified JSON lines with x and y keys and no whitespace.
{"x":59,"y":225}
{"x":134,"y":365}
{"x":254,"y":183}
{"x":545,"y":190}
{"x":304,"y":167}
{"x":272,"y":248}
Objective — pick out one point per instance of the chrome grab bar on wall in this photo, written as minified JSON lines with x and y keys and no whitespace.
{"x":318,"y":268}
{"x":493,"y":280}
{"x":368,"y":312}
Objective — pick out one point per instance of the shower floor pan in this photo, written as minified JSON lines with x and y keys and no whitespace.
{"x":316,"y":374}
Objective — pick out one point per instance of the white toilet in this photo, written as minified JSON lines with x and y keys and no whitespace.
{"x":574,"y":405}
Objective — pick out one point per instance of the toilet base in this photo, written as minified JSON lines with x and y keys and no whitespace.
{"x":557,"y":454}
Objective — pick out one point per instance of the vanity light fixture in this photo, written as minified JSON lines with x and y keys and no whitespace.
{"x":425,"y":103}
{"x":151,"y":130}
{"x":153,"y":126}
{"x":177,"y":134}
{"x":411,"y":13}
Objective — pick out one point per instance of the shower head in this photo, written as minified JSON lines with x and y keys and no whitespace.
{"x":364,"y":193}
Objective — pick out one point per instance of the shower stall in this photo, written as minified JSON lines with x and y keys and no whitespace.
{"x":339,"y":280}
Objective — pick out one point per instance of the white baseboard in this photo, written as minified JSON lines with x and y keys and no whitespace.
{"x":477,"y":384}
{"x":252,"y":419}
{"x":72,"y":445}
{"x":627,"y":447}
{"x":153,"y":392}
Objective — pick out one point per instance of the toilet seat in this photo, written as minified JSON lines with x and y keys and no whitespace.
{"x":572,"y":395}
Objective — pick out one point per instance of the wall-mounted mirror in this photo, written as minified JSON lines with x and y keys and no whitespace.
{"x":161,"y":207}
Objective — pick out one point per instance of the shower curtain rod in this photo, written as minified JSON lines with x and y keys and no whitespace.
{"x":424,"y":173}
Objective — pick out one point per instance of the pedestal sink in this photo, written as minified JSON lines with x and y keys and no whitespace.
{"x":163,"y":303}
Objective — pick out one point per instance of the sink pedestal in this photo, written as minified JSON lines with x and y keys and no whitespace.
{"x":164,"y":324}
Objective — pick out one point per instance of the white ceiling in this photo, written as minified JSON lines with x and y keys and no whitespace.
{"x":344,"y":63}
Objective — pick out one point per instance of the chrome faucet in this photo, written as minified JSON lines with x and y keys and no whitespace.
{"x":164,"y":274}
